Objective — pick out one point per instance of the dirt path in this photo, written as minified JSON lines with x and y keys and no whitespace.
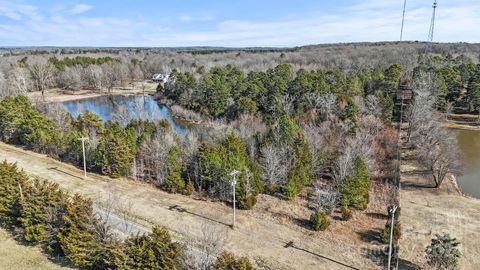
{"x":427,"y":211}
{"x":254,"y":237}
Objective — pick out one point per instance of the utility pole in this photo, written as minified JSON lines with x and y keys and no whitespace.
{"x":83,"y":139}
{"x":403,"y":19}
{"x":432,"y":23}
{"x":392,"y":213}
{"x":234,"y":183}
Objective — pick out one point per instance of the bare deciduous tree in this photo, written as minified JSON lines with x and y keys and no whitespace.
{"x":274,"y":163}
{"x":202,"y":255}
{"x":372,"y":106}
{"x":151,"y":158}
{"x":111,"y":77}
{"x":70,"y":78}
{"x":41,"y":73}
{"x":93,"y":77}
{"x":328,"y":104}
{"x":435,"y":144}
{"x":325,"y":199}
{"x":57,"y":113}
{"x":18,"y":80}
{"x":135,"y":73}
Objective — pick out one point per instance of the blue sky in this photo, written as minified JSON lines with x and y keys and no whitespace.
{"x":232,"y":23}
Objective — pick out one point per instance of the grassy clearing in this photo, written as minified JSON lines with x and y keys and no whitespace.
{"x":427,"y":211}
{"x":16,"y":256}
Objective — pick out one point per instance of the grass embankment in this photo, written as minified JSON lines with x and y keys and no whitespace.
{"x":14,"y":255}
{"x":463,"y":121}
{"x":427,"y":211}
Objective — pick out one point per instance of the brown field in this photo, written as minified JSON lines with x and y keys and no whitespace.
{"x":58,"y":95}
{"x":427,"y":211}
{"x":19,"y":257}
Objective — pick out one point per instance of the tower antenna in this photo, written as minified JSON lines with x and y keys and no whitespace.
{"x":403,"y":19}
{"x":432,"y":24}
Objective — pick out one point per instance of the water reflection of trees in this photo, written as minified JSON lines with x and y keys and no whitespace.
{"x":124,"y":109}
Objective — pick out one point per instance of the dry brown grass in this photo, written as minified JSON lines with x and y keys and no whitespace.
{"x":16,"y":256}
{"x":58,"y":95}
{"x":427,"y":211}
{"x":258,"y":236}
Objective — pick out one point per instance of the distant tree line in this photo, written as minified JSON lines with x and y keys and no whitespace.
{"x":80,"y":72}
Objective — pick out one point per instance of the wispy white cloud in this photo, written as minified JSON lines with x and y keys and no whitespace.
{"x":190,"y":18}
{"x":80,"y":8}
{"x":19,"y":12}
{"x":369,"y":20}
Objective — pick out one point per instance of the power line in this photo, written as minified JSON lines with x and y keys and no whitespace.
{"x":432,"y":24}
{"x":403,"y":19}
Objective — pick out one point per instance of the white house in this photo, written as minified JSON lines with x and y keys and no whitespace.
{"x":160,"y":78}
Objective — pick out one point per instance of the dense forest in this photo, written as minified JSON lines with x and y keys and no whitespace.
{"x":322,"y":129}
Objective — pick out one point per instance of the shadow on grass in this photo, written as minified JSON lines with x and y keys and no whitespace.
{"x":407,"y":265}
{"x":377,"y":215}
{"x":64,"y":172}
{"x":292,"y":245}
{"x":408,"y":185}
{"x":180,"y":209}
{"x":370,"y":236}
{"x":304,"y":223}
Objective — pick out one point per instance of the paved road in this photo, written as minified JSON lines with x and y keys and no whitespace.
{"x":186,"y":218}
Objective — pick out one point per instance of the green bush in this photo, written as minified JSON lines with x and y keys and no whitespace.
{"x":38,"y":199}
{"x":248,"y":203}
{"x":443,"y":252}
{"x":346,"y":213}
{"x":291,"y":190}
{"x":174,"y":183}
{"x":11,"y":180}
{"x":115,"y":152}
{"x":397,"y":232}
{"x":355,"y":188}
{"x":218,"y":161}
{"x":319,"y":221}
{"x":39,"y":212}
{"x":154,"y":251}
{"x":300,"y":168}
{"x":227,"y":261}
{"x":21,"y":123}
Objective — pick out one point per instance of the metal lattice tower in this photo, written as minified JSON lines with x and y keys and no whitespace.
{"x":403,"y":19}
{"x":432,"y":24}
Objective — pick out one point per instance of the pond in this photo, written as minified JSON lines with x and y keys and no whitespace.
{"x":124,"y":109}
{"x":469,"y":144}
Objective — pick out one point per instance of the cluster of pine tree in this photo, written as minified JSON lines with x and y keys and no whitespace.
{"x":42,"y":214}
{"x":228,"y":92}
{"x":83,"y":61}
{"x":457,"y":81}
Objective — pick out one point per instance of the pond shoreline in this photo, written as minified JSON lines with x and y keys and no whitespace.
{"x":125,"y":108}
{"x":454,"y":125}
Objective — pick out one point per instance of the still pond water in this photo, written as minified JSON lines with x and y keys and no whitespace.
{"x":124,"y":109}
{"x":469,"y":144}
